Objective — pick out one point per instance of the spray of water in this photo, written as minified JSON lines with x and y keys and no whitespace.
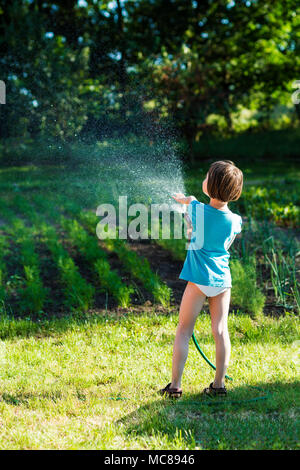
{"x":145,"y":170}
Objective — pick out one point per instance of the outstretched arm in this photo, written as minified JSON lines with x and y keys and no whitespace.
{"x":182,"y":199}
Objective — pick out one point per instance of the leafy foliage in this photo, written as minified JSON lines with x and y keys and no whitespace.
{"x":98,"y":70}
{"x":79,"y":294}
{"x":3,"y":252}
{"x":245,"y":290}
{"x":89,"y":248}
{"x":137,"y":266}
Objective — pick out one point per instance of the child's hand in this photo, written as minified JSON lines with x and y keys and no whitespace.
{"x":179,"y":197}
{"x":182,"y":199}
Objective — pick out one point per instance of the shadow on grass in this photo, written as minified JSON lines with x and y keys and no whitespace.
{"x":227,"y":423}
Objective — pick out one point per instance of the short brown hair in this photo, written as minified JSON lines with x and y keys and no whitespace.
{"x":225,"y":181}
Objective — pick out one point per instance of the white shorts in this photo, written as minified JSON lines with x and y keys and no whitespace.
{"x":211,"y":291}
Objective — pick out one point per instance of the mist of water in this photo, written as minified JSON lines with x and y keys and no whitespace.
{"x":146,"y":171}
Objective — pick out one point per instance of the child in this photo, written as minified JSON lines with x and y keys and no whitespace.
{"x":206,"y":268}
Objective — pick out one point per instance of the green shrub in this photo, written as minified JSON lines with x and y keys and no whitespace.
{"x":245,"y":291}
{"x":283,"y":269}
{"x":278,"y":203}
{"x":255,"y":145}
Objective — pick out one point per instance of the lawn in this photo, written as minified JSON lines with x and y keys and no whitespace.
{"x":92,"y":383}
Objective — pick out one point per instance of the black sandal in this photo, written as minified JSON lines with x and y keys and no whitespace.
{"x":213,"y":391}
{"x":171,"y":392}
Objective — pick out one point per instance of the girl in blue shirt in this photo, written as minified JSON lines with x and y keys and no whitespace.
{"x":206,"y":268}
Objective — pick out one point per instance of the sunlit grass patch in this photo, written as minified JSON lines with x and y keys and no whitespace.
{"x":92,"y":383}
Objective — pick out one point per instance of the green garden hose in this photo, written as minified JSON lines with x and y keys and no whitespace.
{"x":205,"y":358}
{"x":223,"y":402}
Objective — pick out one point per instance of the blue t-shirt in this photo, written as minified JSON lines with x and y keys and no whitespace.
{"x":207,"y":259}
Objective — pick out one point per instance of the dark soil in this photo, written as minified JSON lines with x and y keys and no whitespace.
{"x":51,"y":281}
{"x":160,"y":260}
{"x":163,"y":264}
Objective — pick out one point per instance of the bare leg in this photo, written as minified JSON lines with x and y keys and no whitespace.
{"x":191,"y":304}
{"x":219,"y":307}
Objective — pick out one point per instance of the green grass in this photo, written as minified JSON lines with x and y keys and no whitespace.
{"x":91,"y":383}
